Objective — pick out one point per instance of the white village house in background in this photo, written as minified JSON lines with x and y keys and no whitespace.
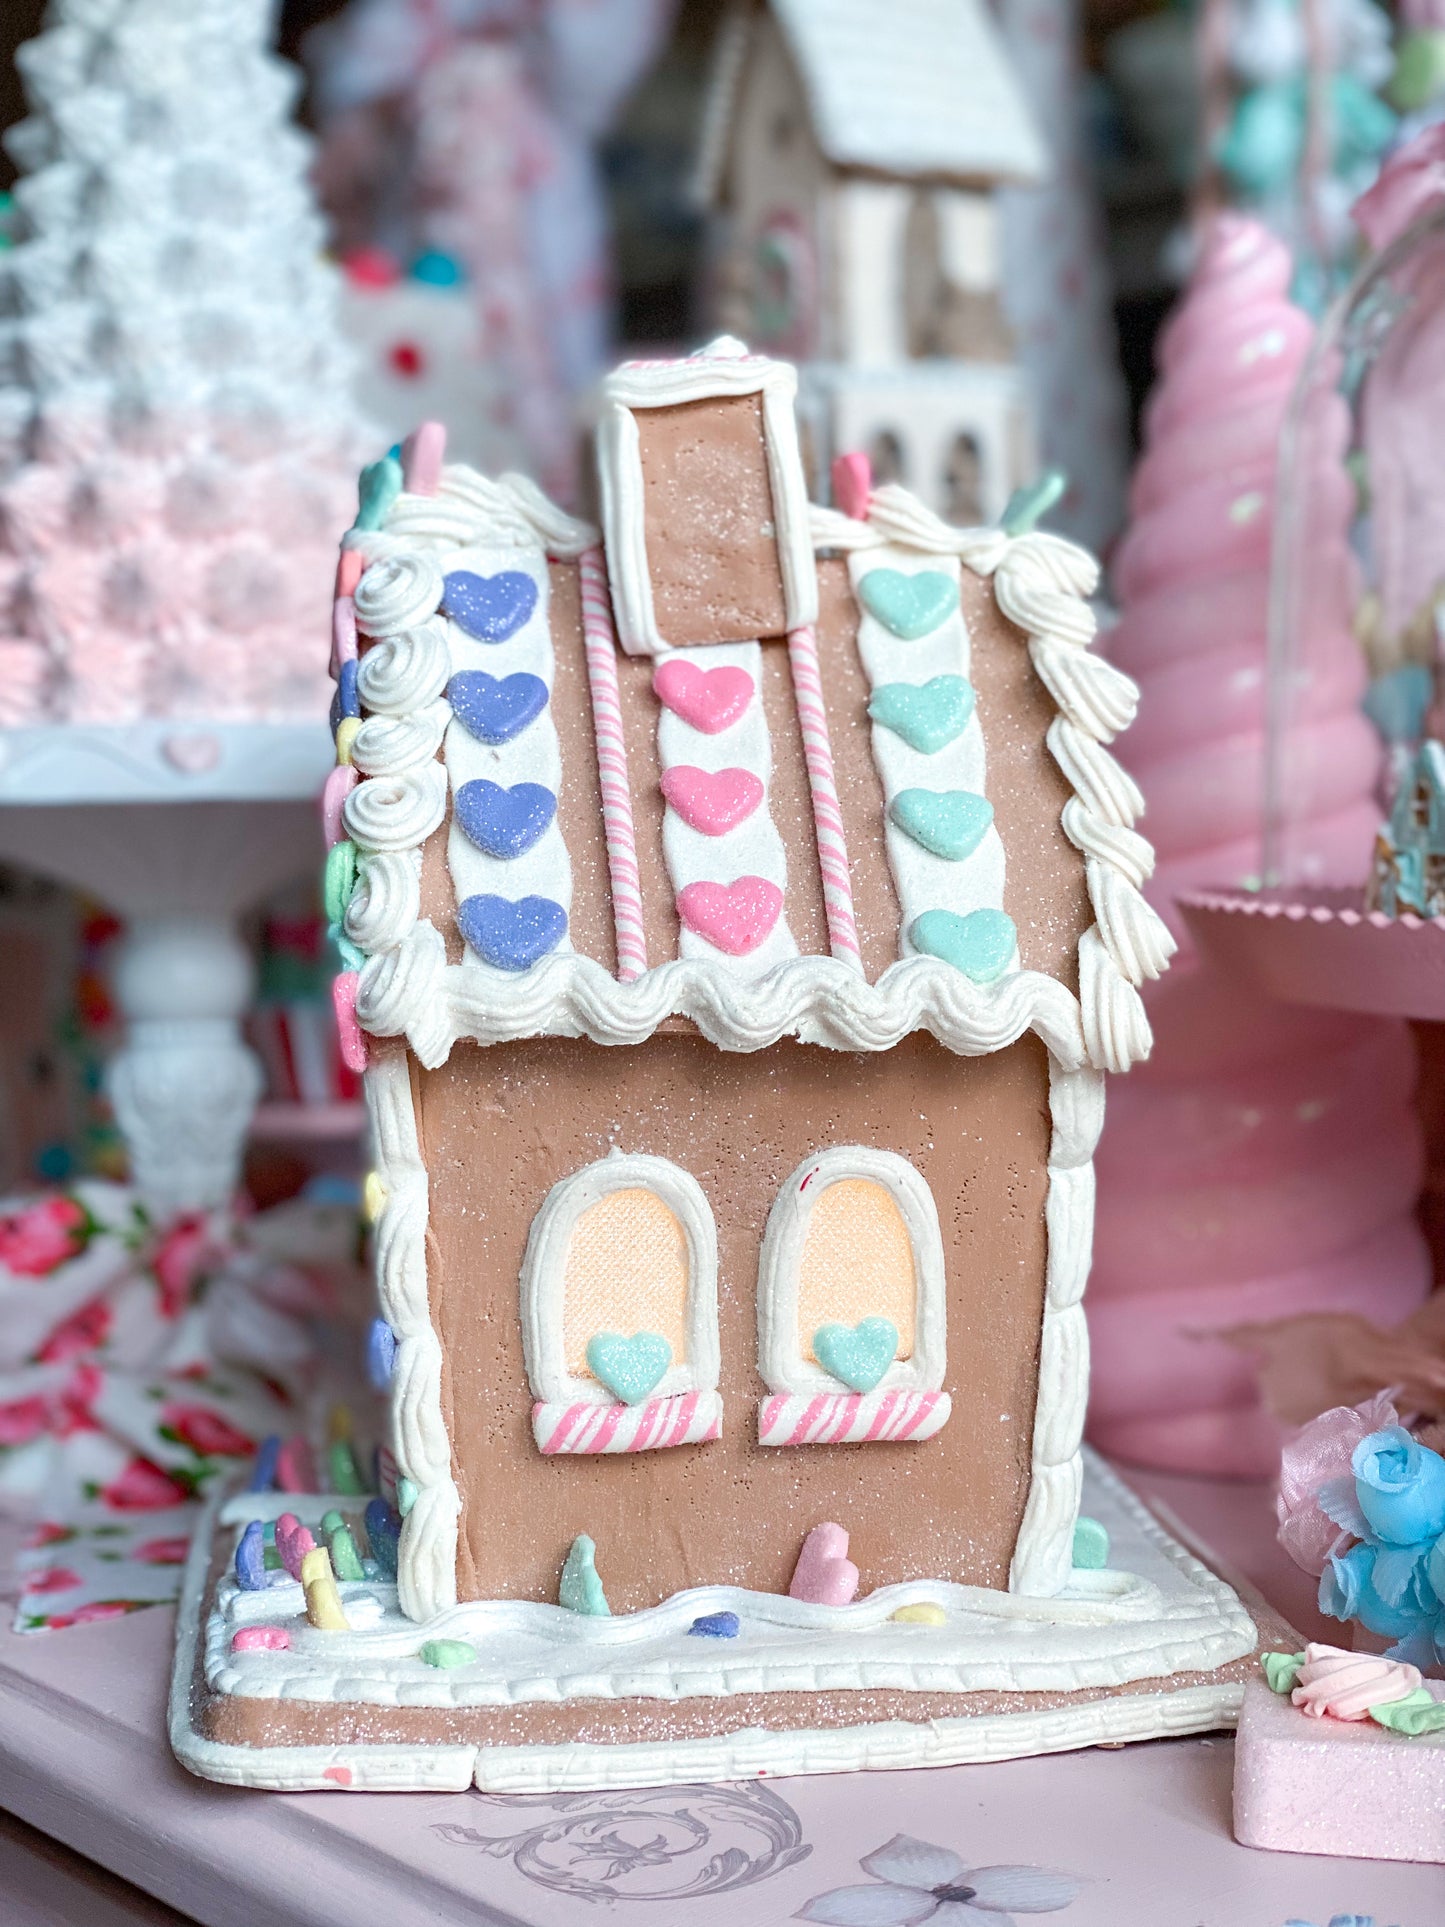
{"x":850,"y":158}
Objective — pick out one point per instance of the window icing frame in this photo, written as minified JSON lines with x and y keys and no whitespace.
{"x":780,"y":1352}
{"x":544,"y":1277}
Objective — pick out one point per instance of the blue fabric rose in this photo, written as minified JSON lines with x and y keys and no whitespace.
{"x":1400,"y":1485}
{"x":1349,"y":1590}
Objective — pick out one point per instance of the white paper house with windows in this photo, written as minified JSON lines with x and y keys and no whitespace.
{"x":747,"y":922}
{"x":850,"y":155}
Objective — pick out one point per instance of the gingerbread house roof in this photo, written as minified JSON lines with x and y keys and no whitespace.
{"x":538,"y":833}
{"x":916,"y":88}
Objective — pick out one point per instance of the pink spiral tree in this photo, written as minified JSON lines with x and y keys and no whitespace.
{"x":1267,"y":1160}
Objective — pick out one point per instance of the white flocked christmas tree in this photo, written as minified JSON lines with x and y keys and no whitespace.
{"x":177,"y":441}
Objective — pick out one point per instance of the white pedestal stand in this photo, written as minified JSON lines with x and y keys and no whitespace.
{"x":178,"y":828}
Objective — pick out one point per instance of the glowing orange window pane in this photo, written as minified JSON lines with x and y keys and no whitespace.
{"x":626,"y":1272}
{"x":857,"y":1263}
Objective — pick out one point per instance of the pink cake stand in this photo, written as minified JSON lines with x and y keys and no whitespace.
{"x":1323,"y":947}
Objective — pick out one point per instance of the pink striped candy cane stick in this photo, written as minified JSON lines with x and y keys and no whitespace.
{"x":827,"y":816}
{"x":601,"y":644}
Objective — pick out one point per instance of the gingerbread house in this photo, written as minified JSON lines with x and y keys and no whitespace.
{"x":849,"y":162}
{"x":745,"y":910}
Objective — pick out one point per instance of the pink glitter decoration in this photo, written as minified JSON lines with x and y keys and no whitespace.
{"x":261,"y":1639}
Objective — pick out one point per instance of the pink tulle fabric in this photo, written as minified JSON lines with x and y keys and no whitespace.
{"x":1318,"y":1457}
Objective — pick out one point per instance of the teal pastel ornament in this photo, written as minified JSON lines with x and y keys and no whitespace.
{"x":949,"y":823}
{"x":378,"y":488}
{"x":580,"y":1590}
{"x":909,"y":605}
{"x":446,"y":1653}
{"x":928,"y":716}
{"x":981,"y":944}
{"x":629,"y":1367}
{"x":1091,"y":1544}
{"x":339,"y":879}
{"x":858,"y":1354}
{"x":1027,"y":506}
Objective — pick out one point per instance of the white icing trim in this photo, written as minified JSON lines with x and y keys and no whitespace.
{"x":780,"y":1354}
{"x":724,"y":368}
{"x":544,"y":1270}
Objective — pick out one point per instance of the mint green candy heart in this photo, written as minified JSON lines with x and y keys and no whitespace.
{"x":858,"y":1354}
{"x":950,"y":823}
{"x":1091,"y":1544}
{"x":580,"y":1590}
{"x":980,"y":944}
{"x":928,"y":716}
{"x":910,"y":605}
{"x":630,"y":1367}
{"x":339,"y":879}
{"x":446,"y":1653}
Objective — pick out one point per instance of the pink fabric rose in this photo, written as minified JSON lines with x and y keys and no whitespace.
{"x":53,"y":1579}
{"x":180,"y":1258}
{"x":1339,"y":1685}
{"x":35,"y":1241}
{"x":1318,"y":1455}
{"x":206,"y":1432}
{"x":164,"y":1552}
{"x":142,"y":1487}
{"x":83,"y":1331}
{"x":1410,"y":181}
{"x":23,"y":1419}
{"x":48,"y":1533}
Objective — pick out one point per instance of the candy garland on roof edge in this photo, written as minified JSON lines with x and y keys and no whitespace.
{"x":1266,"y":1161}
{"x":177,"y":440}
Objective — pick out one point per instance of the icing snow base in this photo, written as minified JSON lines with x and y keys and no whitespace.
{"x":1166,"y":1614}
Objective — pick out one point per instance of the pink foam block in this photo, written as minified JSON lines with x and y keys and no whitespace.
{"x":1304,"y":1785}
{"x":824,"y":1574}
{"x":261,"y":1639}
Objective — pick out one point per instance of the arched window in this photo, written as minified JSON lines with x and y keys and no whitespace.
{"x":619,"y":1310}
{"x":886,"y":457}
{"x":852,"y":1314}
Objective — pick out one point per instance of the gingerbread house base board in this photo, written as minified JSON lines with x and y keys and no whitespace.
{"x":1155,"y":1646}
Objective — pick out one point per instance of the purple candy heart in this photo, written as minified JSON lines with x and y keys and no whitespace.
{"x":495,"y":710}
{"x":489,"y":607}
{"x":251,"y":1558}
{"x":508,"y":935}
{"x":504,"y":822}
{"x":716,"y":1626}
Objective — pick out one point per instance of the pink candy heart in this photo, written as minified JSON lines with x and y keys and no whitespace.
{"x":734,"y":917}
{"x":824,"y":1574}
{"x":852,"y":484}
{"x":712,"y":801}
{"x":709,"y":699}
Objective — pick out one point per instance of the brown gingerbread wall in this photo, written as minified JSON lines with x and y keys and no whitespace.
{"x":500,"y":1127}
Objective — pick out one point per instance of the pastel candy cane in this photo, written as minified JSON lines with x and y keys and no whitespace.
{"x":690,"y":1418}
{"x":833,"y":1418}
{"x":601,"y":644}
{"x":822,"y":783}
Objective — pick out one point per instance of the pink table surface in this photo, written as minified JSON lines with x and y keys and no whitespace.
{"x":83,"y":1759}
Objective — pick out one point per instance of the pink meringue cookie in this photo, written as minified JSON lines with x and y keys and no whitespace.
{"x":1339,"y":1685}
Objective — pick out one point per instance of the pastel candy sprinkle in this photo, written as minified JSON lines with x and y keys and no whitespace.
{"x":348,"y":1031}
{"x":343,"y":633}
{"x":928,"y":716}
{"x":947,"y":823}
{"x":824,"y":1574}
{"x":446,"y":1653}
{"x":330,"y":1520}
{"x":490,"y":608}
{"x":716,"y":1626}
{"x":504,"y":822}
{"x":421,"y":458}
{"x":251,"y":1558}
{"x":1026,"y":505}
{"x":345,"y":736}
{"x":261,"y":1639}
{"x":351,"y":956}
{"x":710,"y":700}
{"x":630,"y":1367}
{"x":338,"y":879}
{"x":338,"y":786}
{"x":294,"y":1471}
{"x":733,"y":917}
{"x":378,"y":488}
{"x":493,"y":710}
{"x":349,"y":568}
{"x":294,"y":1544}
{"x":263,"y":1473}
{"x":1091,"y":1544}
{"x":852,"y":478}
{"x":373,"y":1197}
{"x":580,"y":1589}
{"x":511,"y":935}
{"x":323,"y":1602}
{"x":380,"y":1354}
{"x":347,"y":701}
{"x":923,"y":1613}
{"x":858,"y":1354}
{"x":909,"y":605}
{"x":405,"y":1496}
{"x":345,"y":1475}
{"x":345,"y":1559}
{"x":981,"y":944}
{"x":383,"y":1530}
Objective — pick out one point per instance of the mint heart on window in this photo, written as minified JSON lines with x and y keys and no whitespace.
{"x":858,"y":1354}
{"x":630,"y":1368}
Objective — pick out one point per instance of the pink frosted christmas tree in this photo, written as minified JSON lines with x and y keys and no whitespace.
{"x":176,"y":433}
{"x":1267,"y":1159}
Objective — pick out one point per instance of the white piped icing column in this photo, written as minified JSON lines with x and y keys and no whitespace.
{"x":505,"y":850}
{"x":726,"y":860}
{"x":944,"y":850}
